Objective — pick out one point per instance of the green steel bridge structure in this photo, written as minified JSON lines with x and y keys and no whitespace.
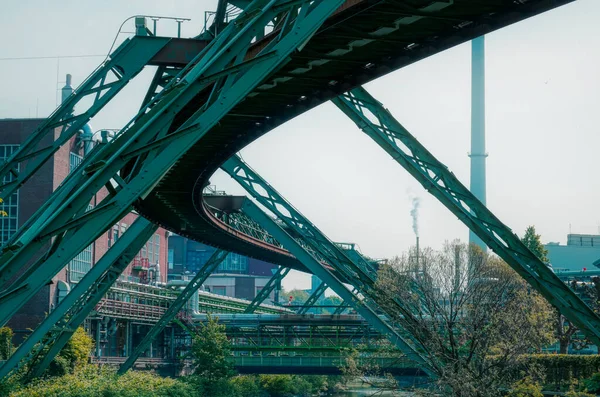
{"x":256,"y":65}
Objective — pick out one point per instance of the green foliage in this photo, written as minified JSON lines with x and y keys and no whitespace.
{"x":6,"y":346}
{"x":526,"y":388}
{"x":573,"y":393}
{"x":533,"y":241}
{"x":289,"y":385}
{"x":211,"y":350}
{"x":560,"y":370}
{"x":246,"y":386}
{"x":277,"y":385}
{"x":299,"y":296}
{"x":593,"y":383}
{"x":91,"y":382}
{"x":73,"y":356}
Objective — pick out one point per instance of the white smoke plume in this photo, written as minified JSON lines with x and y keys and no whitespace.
{"x":414,"y":212}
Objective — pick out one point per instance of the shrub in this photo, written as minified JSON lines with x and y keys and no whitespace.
{"x":245,"y":386}
{"x":91,"y":382}
{"x":526,"y":388}
{"x":6,"y":346}
{"x":593,"y":383}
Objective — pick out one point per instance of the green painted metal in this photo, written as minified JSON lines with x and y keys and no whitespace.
{"x":220,"y":68}
{"x":318,"y":268}
{"x":101,"y":86}
{"x":264,"y":293}
{"x":313,"y":298}
{"x":211,"y":264}
{"x":289,"y":364}
{"x":378,"y":123}
{"x":361,"y":274}
{"x":39,"y":349}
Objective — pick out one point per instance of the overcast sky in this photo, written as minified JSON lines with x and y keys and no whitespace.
{"x":543,"y":96}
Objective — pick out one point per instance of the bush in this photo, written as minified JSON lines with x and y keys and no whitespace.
{"x":245,"y":386}
{"x":91,"y":382}
{"x":526,"y":388}
{"x":573,"y":393}
{"x":6,"y":346}
{"x":559,"y":370}
{"x":593,"y":383}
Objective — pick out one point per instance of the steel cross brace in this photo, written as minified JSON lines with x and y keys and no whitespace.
{"x":146,"y":136}
{"x":378,"y":123}
{"x":313,"y":298}
{"x":101,"y":86}
{"x":360,"y":274}
{"x":54,"y":332}
{"x":267,"y":289}
{"x":213,"y":262}
{"x":317,"y":268}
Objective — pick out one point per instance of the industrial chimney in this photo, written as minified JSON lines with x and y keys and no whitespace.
{"x":478,"y":153}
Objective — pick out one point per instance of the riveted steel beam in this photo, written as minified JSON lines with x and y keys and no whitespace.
{"x":101,"y":86}
{"x":318,"y":268}
{"x":39,"y":349}
{"x":211,"y":264}
{"x":313,"y":298}
{"x":379,"y":124}
{"x":153,"y":122}
{"x":353,"y":267}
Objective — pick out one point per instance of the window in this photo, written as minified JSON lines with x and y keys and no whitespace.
{"x":74,"y":161}
{"x":196,"y":259}
{"x":10,"y":222}
{"x":156,"y":248}
{"x":234,"y":263}
{"x":171,"y":258}
{"x":219,"y":290}
{"x":82,"y":263}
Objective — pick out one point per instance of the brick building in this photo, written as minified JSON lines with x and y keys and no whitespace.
{"x":150,"y":266}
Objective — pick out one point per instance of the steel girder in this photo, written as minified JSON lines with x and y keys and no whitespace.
{"x":101,"y":86}
{"x":222,"y":68}
{"x":318,"y":268}
{"x":360,"y":274}
{"x":378,"y":123}
{"x":39,"y":349}
{"x":213,"y":262}
{"x":267,"y":289}
{"x":313,"y":298}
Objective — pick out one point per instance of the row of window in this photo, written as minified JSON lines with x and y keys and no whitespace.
{"x":9,"y":223}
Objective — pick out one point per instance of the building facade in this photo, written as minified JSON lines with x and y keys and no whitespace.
{"x":582,"y":251}
{"x":149,"y":267}
{"x":237,"y":277}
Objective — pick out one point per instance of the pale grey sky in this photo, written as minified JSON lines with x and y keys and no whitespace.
{"x":542,"y":97}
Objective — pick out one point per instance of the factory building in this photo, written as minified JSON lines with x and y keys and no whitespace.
{"x":582,"y":251}
{"x":149,"y":267}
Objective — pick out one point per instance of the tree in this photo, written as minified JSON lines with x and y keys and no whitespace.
{"x":73,"y":356}
{"x":299,"y":296}
{"x":468,"y":312}
{"x":533,"y":241}
{"x":211,"y":351}
{"x":6,"y":346}
{"x":564,"y":330}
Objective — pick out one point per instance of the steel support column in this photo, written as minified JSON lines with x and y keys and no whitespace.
{"x":313,"y":298}
{"x":318,"y":268}
{"x":101,"y":86}
{"x":356,"y":271}
{"x":56,"y":329}
{"x":221,"y":68}
{"x":213,"y":262}
{"x":378,"y":123}
{"x":267,"y":289}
